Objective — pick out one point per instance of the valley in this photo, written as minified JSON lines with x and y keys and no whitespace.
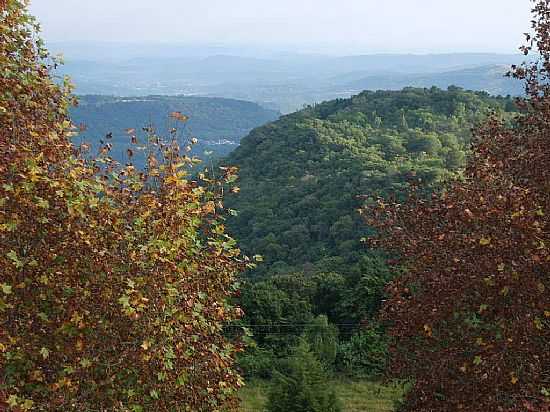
{"x":274,"y":206}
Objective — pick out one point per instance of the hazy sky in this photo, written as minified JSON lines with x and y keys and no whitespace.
{"x":343,"y":26}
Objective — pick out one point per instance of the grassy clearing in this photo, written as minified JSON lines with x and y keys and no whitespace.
{"x":357,"y":396}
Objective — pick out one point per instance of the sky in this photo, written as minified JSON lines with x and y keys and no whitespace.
{"x":329,"y":26}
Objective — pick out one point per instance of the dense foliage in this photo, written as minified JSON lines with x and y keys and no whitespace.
{"x":471,"y":316}
{"x":301,"y":177}
{"x":219,"y":124}
{"x":113,"y":283}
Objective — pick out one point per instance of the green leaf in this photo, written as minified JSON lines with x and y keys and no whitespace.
{"x":124,"y":301}
{"x":477,"y":360}
{"x":12,"y":255}
{"x":182,"y":379}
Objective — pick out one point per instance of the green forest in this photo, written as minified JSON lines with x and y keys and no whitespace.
{"x":386,"y":252}
{"x":303,"y":181}
{"x":304,"y":177}
{"x":219,"y":124}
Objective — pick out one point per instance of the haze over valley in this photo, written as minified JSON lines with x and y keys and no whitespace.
{"x":280,"y":81}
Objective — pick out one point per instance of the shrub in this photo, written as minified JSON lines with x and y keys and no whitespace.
{"x":323,"y":339}
{"x":365,"y":355}
{"x":257,"y":363}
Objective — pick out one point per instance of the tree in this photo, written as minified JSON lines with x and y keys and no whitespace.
{"x":323,"y":339}
{"x":471,"y":316}
{"x":304,"y":386}
{"x":277,"y":309}
{"x":113,"y":282}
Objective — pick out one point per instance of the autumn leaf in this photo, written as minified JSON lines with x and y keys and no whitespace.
{"x":485,"y":241}
{"x":45,"y":353}
{"x":6,"y":289}
{"x":179,"y":117}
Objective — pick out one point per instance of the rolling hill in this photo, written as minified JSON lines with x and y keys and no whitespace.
{"x":489,"y":78}
{"x":219,"y":124}
{"x":302,"y":177}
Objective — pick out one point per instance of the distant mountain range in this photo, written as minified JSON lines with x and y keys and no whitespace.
{"x":283,"y":82}
{"x":491,"y":79}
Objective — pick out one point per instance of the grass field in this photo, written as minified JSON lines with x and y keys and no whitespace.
{"x":356,"y":396}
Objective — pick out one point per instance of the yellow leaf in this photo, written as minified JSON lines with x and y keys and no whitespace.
{"x":428,"y":330}
{"x":12,"y":401}
{"x":45,"y":353}
{"x":484,"y":241}
{"x":6,"y":289}
{"x":27,"y":405}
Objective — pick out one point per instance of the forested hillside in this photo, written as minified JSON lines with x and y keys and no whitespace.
{"x":302,"y":182}
{"x":303,"y":176}
{"x":218,"y":123}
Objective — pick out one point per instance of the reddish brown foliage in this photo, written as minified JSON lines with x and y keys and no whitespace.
{"x":471,"y":317}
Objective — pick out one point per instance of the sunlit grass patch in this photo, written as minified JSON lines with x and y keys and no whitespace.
{"x":356,"y":396}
